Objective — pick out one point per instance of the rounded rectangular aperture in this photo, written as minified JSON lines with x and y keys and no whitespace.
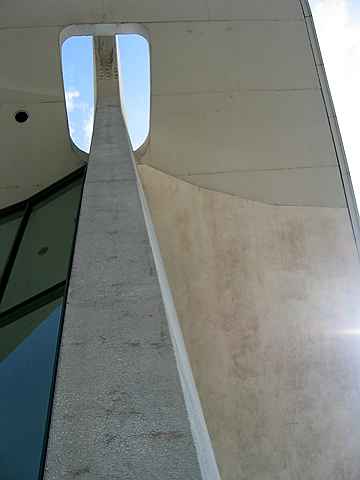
{"x":78,"y":76}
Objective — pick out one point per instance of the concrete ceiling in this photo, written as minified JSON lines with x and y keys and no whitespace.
{"x":38,"y":152}
{"x":40,"y":13}
{"x":236,"y":104}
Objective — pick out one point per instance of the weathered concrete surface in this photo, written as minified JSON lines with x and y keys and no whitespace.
{"x":119,"y":410}
{"x":260,"y":131}
{"x":268,"y":300}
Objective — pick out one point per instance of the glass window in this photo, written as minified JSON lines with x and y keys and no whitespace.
{"x":8,"y":229}
{"x":44,"y":253}
{"x":27,"y":361}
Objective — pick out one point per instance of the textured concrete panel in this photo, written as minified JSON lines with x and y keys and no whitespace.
{"x":49,"y":12}
{"x":256,"y":9}
{"x":239,"y":131}
{"x":119,"y":409}
{"x":21,"y":71}
{"x":314,"y":186}
{"x":269,"y":146}
{"x":67,"y":12}
{"x":40,"y":162}
{"x":230,"y":56}
{"x":268,"y":300}
{"x":155,"y":10}
{"x":40,"y":149}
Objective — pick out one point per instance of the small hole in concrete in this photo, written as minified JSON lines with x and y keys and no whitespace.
{"x":21,"y":116}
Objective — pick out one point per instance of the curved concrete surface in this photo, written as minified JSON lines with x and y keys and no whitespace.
{"x":38,"y":152}
{"x":267,"y":298}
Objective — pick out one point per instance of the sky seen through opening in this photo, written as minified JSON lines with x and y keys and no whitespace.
{"x":78,"y":71}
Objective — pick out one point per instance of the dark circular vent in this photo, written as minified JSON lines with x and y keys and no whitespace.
{"x":21,"y":116}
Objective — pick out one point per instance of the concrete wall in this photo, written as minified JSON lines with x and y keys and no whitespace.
{"x":267,"y":297}
{"x":237,"y":107}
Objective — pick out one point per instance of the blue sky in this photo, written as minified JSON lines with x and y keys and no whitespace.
{"x":338,"y":27}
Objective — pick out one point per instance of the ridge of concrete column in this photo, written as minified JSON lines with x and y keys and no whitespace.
{"x":106,"y":71}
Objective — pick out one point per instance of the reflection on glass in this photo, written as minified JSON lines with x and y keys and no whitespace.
{"x":43,"y":257}
{"x":30,"y":321}
{"x":27,"y":361}
{"x":8,"y":229}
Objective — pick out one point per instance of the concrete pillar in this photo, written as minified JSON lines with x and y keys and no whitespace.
{"x":119,"y":410}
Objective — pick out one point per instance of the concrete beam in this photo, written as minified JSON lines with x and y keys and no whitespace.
{"x":119,"y":410}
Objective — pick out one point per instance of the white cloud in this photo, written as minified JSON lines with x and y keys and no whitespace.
{"x":81,"y":119}
{"x":339,"y":37}
{"x":70,"y":97}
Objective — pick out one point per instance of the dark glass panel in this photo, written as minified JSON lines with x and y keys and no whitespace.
{"x":27,"y":361}
{"x":44,"y":253}
{"x":8,"y":229}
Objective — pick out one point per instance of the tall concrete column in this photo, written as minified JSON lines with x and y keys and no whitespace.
{"x":119,"y":411}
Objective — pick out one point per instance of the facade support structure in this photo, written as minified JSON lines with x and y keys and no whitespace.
{"x":119,"y":409}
